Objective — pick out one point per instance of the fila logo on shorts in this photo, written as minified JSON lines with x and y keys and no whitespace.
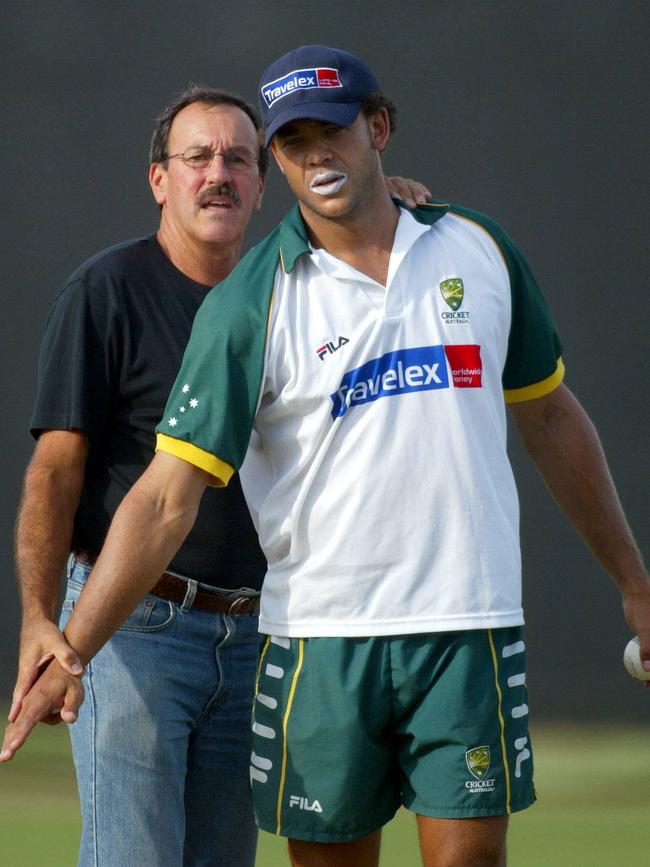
{"x":300,"y":79}
{"x":406,"y":370}
{"x":303,"y":804}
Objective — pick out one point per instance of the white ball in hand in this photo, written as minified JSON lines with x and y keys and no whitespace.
{"x":632,"y":660}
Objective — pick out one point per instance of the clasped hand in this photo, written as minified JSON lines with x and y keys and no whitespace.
{"x":56,"y":696}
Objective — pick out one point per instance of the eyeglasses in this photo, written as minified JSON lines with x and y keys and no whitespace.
{"x":235,"y":160}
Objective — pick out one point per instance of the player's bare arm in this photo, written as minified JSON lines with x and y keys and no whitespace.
{"x":52,"y":488}
{"x":562,"y":441}
{"x":147,"y":530}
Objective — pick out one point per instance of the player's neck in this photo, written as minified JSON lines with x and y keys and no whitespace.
{"x":206,"y":263}
{"x":363,"y":239}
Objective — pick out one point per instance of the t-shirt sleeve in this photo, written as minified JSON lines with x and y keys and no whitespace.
{"x":79,"y":363}
{"x":534,"y":364}
{"x":209,"y":416}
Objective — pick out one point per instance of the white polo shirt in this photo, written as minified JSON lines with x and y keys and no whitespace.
{"x":374,"y":418}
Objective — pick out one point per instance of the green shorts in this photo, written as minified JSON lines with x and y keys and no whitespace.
{"x":346,"y":730}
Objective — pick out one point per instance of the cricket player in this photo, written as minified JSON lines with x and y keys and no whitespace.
{"x":362,"y":357}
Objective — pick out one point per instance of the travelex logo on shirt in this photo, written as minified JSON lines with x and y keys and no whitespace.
{"x":406,"y":370}
{"x":300,"y":79}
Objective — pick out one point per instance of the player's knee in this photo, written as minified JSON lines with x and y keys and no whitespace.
{"x":362,"y":852}
{"x":478,"y":842}
{"x":481,"y":856}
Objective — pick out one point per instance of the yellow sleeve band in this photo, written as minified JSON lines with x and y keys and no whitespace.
{"x":537,"y":389}
{"x":219,"y":470}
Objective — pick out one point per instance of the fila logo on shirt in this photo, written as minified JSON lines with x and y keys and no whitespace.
{"x":300,"y":79}
{"x":330,"y":346}
{"x":425,"y":368}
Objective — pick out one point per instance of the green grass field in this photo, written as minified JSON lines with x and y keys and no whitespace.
{"x":593,"y":785}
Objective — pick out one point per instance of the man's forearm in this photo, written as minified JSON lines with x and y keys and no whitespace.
{"x":43,"y":533}
{"x":567,"y":452}
{"x":147,"y":530}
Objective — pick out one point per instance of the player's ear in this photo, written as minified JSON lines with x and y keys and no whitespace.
{"x":379,"y":128}
{"x":158,"y":182}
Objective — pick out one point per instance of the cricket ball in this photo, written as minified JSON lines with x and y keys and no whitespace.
{"x":632,"y":660}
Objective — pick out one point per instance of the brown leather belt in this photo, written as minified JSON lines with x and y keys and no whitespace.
{"x":189,"y":593}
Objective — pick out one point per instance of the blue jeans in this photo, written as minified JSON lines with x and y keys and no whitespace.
{"x":163,"y":739}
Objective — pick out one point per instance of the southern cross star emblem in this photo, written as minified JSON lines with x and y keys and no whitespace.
{"x":173,"y":421}
{"x":186,"y":388}
{"x":194,"y":403}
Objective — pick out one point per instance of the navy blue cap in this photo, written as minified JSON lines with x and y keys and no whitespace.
{"x":314,"y":82}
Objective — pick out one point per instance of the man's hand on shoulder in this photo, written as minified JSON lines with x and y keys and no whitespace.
{"x":56,"y":695}
{"x":41,"y":641}
{"x":410,"y":192}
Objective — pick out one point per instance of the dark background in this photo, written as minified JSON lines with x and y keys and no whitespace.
{"x":535,"y":112}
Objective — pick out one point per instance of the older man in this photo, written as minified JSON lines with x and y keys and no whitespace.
{"x":161,"y":746}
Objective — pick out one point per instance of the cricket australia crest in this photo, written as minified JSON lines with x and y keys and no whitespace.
{"x":478,"y":761}
{"x":452,"y":291}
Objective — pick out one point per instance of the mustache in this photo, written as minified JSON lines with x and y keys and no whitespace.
{"x":224,"y":189}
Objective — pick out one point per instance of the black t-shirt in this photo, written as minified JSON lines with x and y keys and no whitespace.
{"x":112,"y":347}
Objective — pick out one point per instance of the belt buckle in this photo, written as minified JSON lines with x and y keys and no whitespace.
{"x":238,"y":605}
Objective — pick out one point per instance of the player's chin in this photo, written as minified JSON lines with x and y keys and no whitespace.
{"x":333,"y":207}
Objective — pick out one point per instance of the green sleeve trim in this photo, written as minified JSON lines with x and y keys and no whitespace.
{"x":534,"y":345}
{"x":220,"y":471}
{"x":538,"y":389}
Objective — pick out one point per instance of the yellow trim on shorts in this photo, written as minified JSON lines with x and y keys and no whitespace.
{"x":502,"y":724}
{"x":259,"y":664}
{"x":537,"y":389}
{"x":294,"y":682}
{"x":220,"y":471}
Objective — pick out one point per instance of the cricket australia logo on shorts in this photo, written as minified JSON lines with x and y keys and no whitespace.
{"x":407,"y":370}
{"x":478,"y":764}
{"x":300,"y":79}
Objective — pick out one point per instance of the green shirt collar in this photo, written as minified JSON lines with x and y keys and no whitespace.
{"x":293,"y":233}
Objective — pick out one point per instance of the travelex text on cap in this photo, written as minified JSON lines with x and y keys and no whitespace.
{"x":314,"y":82}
